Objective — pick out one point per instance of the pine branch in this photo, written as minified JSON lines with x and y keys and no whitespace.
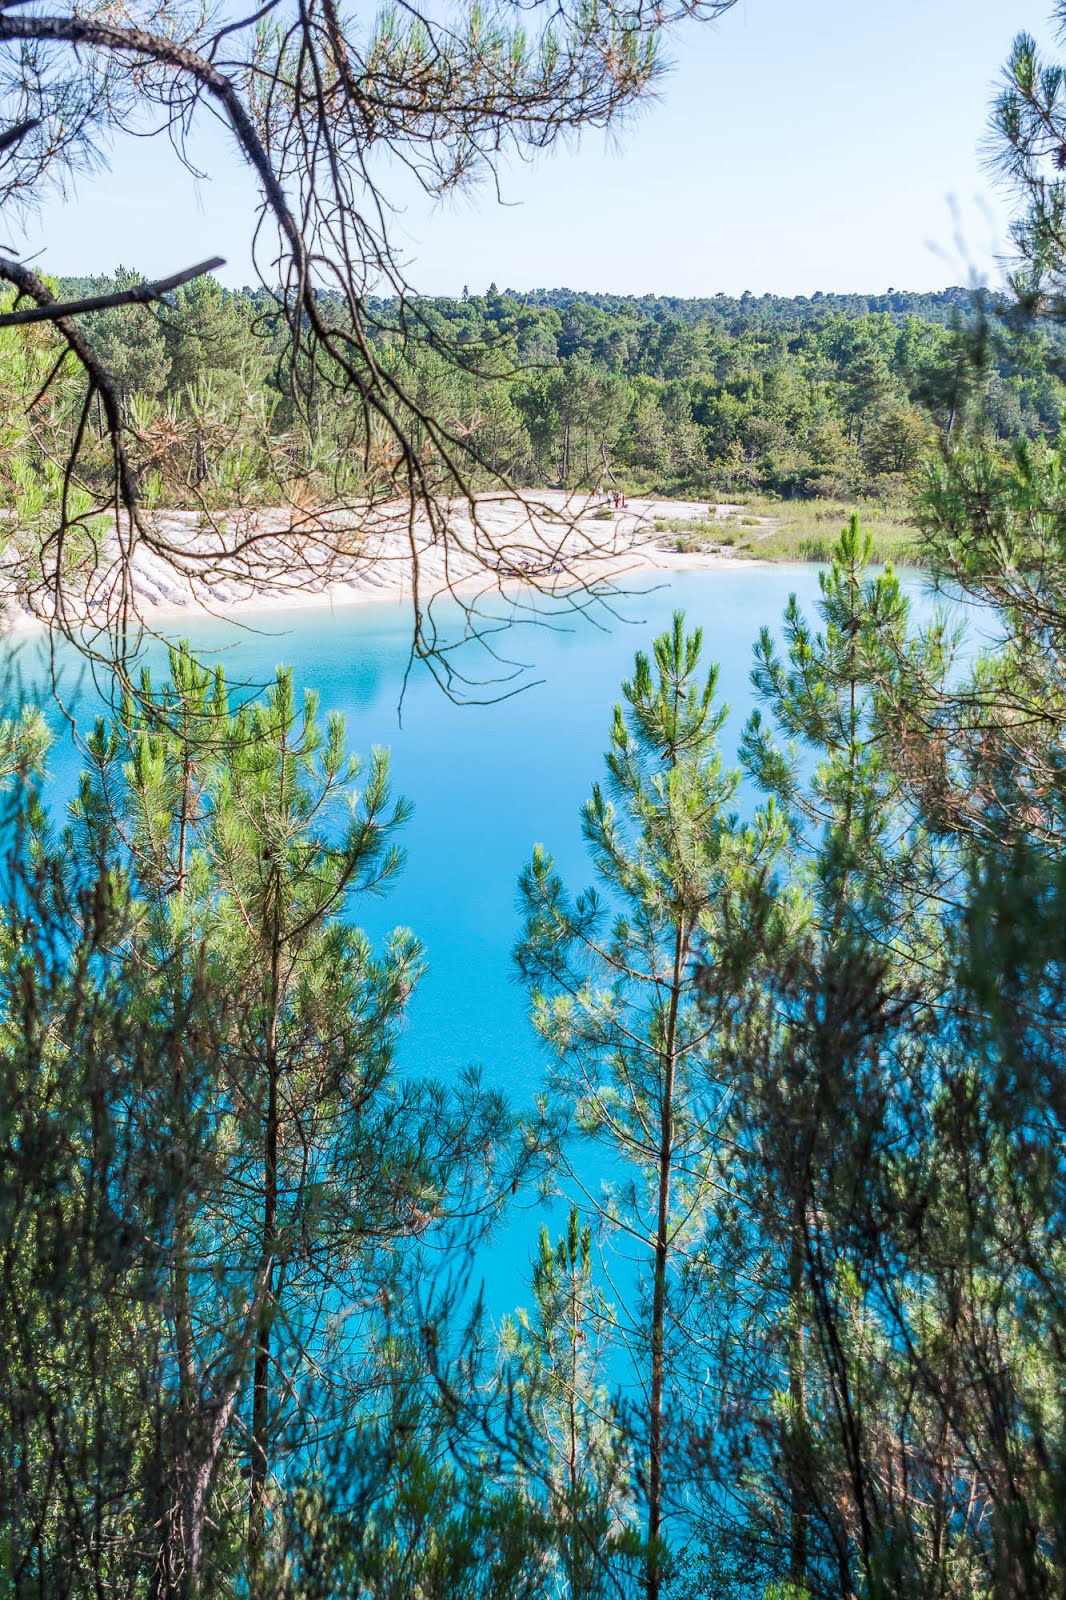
{"x":12,"y":136}
{"x":137,"y":294}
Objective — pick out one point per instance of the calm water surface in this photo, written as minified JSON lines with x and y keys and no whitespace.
{"x":486,"y":781}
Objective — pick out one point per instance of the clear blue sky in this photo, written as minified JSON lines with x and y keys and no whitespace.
{"x":796,"y":145}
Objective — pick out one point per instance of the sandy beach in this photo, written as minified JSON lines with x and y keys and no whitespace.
{"x":251,"y":563}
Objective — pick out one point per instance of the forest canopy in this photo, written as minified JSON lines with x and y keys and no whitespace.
{"x":839,"y":396}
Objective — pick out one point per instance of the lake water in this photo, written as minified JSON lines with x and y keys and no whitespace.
{"x":486,"y":781}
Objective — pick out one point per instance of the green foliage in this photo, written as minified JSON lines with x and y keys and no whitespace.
{"x":635,"y":1064}
{"x":130,"y":343}
{"x":801,"y":1333}
{"x":798,"y":399}
{"x":236,"y":1185}
{"x":568,"y":1437}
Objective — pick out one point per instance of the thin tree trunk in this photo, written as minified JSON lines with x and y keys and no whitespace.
{"x":261,"y":1371}
{"x":653,"y":1578}
{"x":183,"y":1335}
{"x":183,"y":1327}
{"x":572,"y":1452}
{"x":797,"y":1394}
{"x":202,"y":1476}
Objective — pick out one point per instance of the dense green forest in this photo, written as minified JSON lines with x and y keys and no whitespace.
{"x":833,"y":396}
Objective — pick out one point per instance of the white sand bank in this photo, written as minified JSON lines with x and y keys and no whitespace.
{"x":262,"y":562}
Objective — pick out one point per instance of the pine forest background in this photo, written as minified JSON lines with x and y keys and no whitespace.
{"x":843,"y":398}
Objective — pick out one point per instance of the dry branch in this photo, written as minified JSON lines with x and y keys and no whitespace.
{"x":139,"y":294}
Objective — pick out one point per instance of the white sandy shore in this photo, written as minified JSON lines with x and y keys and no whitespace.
{"x":270,"y":562}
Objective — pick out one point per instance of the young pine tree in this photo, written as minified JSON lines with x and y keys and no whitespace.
{"x":568,"y":1436}
{"x":842,"y":993}
{"x":614,"y":997}
{"x":244,"y":837}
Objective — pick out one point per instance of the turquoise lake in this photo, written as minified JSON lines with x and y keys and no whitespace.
{"x":486,"y":781}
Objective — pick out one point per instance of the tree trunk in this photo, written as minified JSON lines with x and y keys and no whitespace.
{"x":573,"y":1475}
{"x":261,"y":1371}
{"x":653,"y":1577}
{"x":183,"y":1532}
{"x":797,"y":1394}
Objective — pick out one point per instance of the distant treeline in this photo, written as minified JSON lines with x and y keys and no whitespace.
{"x":940,"y":305}
{"x":843,"y":395}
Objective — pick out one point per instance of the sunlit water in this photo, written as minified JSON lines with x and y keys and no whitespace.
{"x":486,"y":782}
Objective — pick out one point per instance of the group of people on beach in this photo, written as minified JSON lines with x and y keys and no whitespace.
{"x":614,"y":499}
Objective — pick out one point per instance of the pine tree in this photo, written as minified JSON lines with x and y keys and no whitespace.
{"x":245,"y":838}
{"x":845,"y":970}
{"x":313,"y":1039}
{"x":571,"y":1443}
{"x":614,"y":997}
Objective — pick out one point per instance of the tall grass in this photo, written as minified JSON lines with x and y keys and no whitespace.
{"x":795,"y":530}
